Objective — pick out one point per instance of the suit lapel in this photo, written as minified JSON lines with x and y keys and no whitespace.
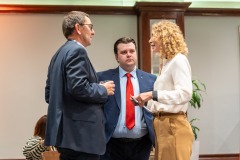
{"x":93,"y":71}
{"x":140,"y":81}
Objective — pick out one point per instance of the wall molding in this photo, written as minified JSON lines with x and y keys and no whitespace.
{"x":112,"y":10}
{"x":63,"y":9}
{"x":212,"y":12}
{"x":233,"y":156}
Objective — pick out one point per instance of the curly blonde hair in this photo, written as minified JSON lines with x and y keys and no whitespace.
{"x":169,"y":36}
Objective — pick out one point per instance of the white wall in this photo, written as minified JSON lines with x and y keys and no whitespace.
{"x":214,"y":56}
{"x":28,"y":41}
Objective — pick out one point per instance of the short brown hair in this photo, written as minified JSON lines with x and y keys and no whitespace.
{"x":40,"y":127}
{"x":124,"y":40}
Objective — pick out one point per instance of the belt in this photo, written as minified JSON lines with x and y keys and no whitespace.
{"x":160,"y":114}
{"x":126,"y":140}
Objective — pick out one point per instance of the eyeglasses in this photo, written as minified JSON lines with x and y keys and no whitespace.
{"x":89,"y":25}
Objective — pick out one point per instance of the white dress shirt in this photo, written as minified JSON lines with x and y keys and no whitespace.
{"x":173,"y":85}
{"x":140,"y":128}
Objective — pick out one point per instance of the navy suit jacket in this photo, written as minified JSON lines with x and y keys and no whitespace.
{"x":75,"y":118}
{"x":113,"y":104}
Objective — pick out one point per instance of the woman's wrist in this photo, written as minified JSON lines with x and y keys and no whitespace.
{"x":155,"y":95}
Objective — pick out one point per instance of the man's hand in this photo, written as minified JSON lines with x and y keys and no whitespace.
{"x":110,"y":87}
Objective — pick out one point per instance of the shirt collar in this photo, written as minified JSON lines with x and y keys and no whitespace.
{"x":76,"y":42}
{"x":122,"y":72}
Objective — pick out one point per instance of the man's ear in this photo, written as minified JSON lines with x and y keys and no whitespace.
{"x":77,"y":28}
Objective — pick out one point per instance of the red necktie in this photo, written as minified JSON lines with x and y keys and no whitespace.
{"x":130,"y":109}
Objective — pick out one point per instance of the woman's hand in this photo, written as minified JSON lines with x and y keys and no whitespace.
{"x":142,"y":98}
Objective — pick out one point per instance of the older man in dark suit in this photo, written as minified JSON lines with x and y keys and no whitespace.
{"x":75,"y":123}
{"x":129,"y":131}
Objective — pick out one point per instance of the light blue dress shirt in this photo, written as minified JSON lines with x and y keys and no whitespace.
{"x":140,"y":128}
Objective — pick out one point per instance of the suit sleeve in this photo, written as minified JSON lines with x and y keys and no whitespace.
{"x":82,"y":79}
{"x":47,"y":88}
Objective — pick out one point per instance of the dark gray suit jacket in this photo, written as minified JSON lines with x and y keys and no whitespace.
{"x":75,"y":118}
{"x":113,"y":105}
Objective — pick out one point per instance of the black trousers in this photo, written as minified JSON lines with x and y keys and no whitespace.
{"x":128,"y":149}
{"x":68,"y":154}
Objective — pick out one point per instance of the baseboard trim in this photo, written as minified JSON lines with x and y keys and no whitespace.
{"x":233,"y":156}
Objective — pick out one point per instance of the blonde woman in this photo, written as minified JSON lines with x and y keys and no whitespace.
{"x":172,"y":92}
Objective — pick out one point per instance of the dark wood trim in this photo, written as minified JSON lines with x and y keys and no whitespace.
{"x":161,"y":6}
{"x":63,"y":9}
{"x":212,"y":12}
{"x":214,"y":157}
{"x":233,"y":156}
{"x":113,"y":9}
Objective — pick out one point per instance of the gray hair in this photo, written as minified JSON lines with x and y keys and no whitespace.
{"x":70,"y":20}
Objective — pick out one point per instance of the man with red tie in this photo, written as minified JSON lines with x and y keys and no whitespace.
{"x":128,"y":128}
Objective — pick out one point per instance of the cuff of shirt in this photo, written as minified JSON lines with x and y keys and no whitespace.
{"x":155,"y":95}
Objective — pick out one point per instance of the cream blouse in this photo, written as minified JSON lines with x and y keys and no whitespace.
{"x":173,"y":85}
